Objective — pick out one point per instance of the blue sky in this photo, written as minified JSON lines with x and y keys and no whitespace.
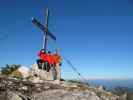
{"x":96,"y":35}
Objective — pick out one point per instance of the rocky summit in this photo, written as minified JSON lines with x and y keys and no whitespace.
{"x":16,"y":89}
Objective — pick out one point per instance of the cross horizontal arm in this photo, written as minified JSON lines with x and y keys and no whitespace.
{"x":35,"y":22}
{"x":51,"y":35}
{"x":40,"y":26}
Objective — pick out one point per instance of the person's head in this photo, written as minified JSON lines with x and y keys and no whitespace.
{"x":49,"y":52}
{"x":42,"y":50}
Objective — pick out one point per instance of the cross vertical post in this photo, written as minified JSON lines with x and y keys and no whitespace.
{"x":46,"y":32}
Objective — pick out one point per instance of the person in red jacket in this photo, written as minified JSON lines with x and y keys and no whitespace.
{"x":57,"y":64}
{"x":51,"y":64}
{"x":40,"y":61}
{"x":42,"y":54}
{"x":50,"y":58}
{"x":43,"y":61}
{"x":48,"y":61}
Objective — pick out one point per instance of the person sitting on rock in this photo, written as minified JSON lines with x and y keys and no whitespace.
{"x":40,"y":61}
{"x":43,"y":60}
{"x":50,"y":60}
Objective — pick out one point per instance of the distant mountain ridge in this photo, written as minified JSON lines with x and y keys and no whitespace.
{"x":111,"y":84}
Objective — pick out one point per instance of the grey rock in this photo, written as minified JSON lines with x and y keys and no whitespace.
{"x":42,"y":74}
{"x":66,"y":95}
{"x":13,"y":96}
{"x":12,"y":89}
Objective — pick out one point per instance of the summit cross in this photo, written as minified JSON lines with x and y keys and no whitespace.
{"x":44,"y":29}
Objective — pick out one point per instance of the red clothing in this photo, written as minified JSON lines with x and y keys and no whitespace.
{"x":43,"y":56}
{"x":56,"y":58}
{"x":40,"y":53}
{"x":50,"y":59}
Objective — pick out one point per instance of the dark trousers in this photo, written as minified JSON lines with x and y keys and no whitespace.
{"x":43,"y":65}
{"x":39,"y":63}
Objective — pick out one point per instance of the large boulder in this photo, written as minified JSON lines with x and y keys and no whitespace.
{"x":25,"y":71}
{"x":42,"y":74}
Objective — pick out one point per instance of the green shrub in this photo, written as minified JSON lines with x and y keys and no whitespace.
{"x":16,"y":74}
{"x":8,"y":69}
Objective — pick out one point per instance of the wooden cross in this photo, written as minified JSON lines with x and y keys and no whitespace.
{"x":45,"y":29}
